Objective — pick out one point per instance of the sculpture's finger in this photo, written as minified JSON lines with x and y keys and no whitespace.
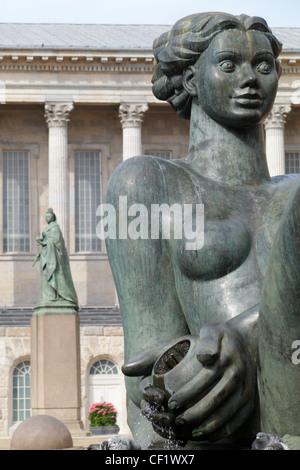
{"x":140,"y":365}
{"x":208,"y":348}
{"x":224,"y":422}
{"x":149,"y":411}
{"x":156,"y":416}
{"x":194,"y":389}
{"x":211,"y":401}
{"x":154,"y":396}
{"x":168,"y":433}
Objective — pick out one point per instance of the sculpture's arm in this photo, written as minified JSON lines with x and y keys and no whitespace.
{"x":141,"y":268}
{"x":279,"y":325}
{"x":245,"y":325}
{"x":41,"y":241}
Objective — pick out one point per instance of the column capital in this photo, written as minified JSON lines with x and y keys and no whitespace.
{"x":131,"y":115}
{"x":57,"y":114}
{"x":277,"y":116}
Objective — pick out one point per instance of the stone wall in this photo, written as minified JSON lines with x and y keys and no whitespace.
{"x":96,"y":342}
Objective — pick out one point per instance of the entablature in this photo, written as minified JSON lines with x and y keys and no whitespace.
{"x":76,"y":61}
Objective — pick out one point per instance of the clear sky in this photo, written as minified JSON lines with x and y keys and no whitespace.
{"x":285,"y":13}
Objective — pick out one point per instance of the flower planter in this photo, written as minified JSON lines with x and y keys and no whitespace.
{"x":104,"y":430}
{"x":102,"y":418}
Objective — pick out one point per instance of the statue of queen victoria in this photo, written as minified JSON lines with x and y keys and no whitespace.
{"x":57,"y":288}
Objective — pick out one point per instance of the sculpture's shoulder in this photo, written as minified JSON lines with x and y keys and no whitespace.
{"x":283,"y":180}
{"x":54,"y":232}
{"x":53,"y":227}
{"x":142,"y":178}
{"x":284,"y":186}
{"x":279,"y":190}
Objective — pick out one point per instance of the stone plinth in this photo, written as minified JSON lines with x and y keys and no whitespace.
{"x":55,"y":367}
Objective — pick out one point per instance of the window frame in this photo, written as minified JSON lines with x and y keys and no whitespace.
{"x":104,"y":151}
{"x":27,"y":411}
{"x":18,"y":237}
{"x":294,"y":150}
{"x":33,"y":155}
{"x":86,"y":236}
{"x":104,"y":366}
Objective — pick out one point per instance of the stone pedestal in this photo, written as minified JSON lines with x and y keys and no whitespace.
{"x":55,"y":367}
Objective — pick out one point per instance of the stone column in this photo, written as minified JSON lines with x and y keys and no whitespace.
{"x":131,"y":117}
{"x":57,"y":117}
{"x":274,"y":127}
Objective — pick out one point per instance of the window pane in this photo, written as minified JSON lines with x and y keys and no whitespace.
{"x":16,"y":215}
{"x":87,"y":199}
{"x":104,"y":367}
{"x":292,"y":162}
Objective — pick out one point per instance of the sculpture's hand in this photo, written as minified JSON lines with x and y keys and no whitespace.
{"x":222,"y":393}
{"x":39,"y":240}
{"x":154,"y":403}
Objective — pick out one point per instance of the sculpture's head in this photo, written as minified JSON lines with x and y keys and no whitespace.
{"x":229,"y":64}
{"x":50,"y":216}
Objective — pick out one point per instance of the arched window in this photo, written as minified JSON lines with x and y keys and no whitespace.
{"x":104,"y":367}
{"x":21,"y":392}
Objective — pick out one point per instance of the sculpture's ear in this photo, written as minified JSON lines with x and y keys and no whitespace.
{"x":188,"y":81}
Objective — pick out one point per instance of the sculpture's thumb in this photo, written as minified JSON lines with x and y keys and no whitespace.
{"x":142,"y":364}
{"x":208,"y":348}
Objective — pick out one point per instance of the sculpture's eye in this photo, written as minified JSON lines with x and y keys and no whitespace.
{"x":264,"y":67}
{"x":227,"y":66}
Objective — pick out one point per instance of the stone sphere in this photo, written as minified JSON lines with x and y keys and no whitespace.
{"x":41,"y":432}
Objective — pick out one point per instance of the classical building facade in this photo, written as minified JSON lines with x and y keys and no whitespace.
{"x":75,"y":101}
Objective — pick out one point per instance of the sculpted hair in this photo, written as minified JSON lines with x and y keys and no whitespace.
{"x":181,"y":47}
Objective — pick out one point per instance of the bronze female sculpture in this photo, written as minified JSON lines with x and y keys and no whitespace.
{"x":236,"y":298}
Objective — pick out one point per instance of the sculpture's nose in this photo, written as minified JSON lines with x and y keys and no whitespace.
{"x":248,"y":77}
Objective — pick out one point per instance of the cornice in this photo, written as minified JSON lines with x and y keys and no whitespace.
{"x":290,"y":63}
{"x":75,"y":61}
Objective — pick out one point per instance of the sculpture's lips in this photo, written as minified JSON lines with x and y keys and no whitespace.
{"x":248,"y":100}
